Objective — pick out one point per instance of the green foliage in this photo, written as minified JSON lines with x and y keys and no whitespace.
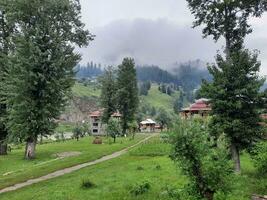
{"x":113,"y":128}
{"x":6,"y":30}
{"x":77,"y":132}
{"x":41,"y":75}
{"x":207,"y":168}
{"x":259,"y":156}
{"x":87,"y":184}
{"x":140,"y":188}
{"x":127,"y":95}
{"x":108,"y":93}
{"x":164,"y":119}
{"x":236,"y":99}
{"x":227,"y":19}
{"x":144,"y":87}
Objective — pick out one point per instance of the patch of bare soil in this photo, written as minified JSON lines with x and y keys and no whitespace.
{"x":67,"y":154}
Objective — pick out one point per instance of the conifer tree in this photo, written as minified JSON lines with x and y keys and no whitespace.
{"x":42,"y":74}
{"x":108,"y":93}
{"x":127,"y":95}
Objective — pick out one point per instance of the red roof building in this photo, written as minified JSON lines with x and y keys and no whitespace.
{"x":201,"y":107}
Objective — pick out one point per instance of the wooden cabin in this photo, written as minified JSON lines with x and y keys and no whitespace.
{"x":201,"y":108}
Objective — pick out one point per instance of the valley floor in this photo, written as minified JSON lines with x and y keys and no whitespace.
{"x":115,"y":179}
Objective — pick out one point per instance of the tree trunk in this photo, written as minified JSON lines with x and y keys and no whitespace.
{"x":114,"y":139}
{"x":3,"y":149}
{"x":30,"y":148}
{"x":235,"y":157}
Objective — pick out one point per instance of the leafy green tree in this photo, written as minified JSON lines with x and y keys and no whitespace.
{"x":229,"y":19}
{"x":77,"y":132}
{"x":108,"y":93}
{"x":41,"y":76}
{"x":127,"y":95}
{"x":236,"y":99}
{"x":6,"y":31}
{"x":226,"y":18}
{"x":207,"y":168}
{"x":163,"y":118}
{"x":113,"y":128}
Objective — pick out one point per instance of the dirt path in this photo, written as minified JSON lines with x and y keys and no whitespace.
{"x":71,"y":169}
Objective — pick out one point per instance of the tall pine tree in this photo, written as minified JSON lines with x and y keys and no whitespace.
{"x":127,"y":95}
{"x":108,"y":93}
{"x":42,"y":74}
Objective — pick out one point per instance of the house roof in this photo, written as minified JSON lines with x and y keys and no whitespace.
{"x":199,"y":105}
{"x":148,"y":121}
{"x":99,"y":113}
{"x":95,"y":114}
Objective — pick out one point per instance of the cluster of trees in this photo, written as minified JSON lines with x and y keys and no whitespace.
{"x":168,"y":89}
{"x":37,"y":41}
{"x":90,"y":70}
{"x":144,"y":87}
{"x":119,"y":92}
{"x":234,"y":94}
{"x":155,"y":74}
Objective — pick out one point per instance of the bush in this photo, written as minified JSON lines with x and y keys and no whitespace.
{"x":87,"y":184}
{"x":140,"y":188}
{"x":158,"y":167}
{"x":259,"y":155}
{"x":207,"y":167}
{"x":139,"y":168}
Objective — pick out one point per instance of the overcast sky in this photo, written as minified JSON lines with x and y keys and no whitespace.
{"x":154,"y":32}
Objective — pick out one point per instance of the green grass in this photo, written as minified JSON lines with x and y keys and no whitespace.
{"x":81,"y":90}
{"x":65,"y":127}
{"x":153,"y":147}
{"x":14,"y":168}
{"x":158,"y":99}
{"x":115,"y":179}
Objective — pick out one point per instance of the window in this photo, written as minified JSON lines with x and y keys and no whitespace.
{"x":95,"y":131}
{"x":95,"y":124}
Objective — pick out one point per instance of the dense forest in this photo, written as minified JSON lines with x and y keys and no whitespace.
{"x":88,"y":71}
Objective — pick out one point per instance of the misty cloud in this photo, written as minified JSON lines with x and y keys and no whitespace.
{"x":149,"y":42}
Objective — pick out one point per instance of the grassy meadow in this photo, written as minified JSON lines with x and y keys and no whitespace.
{"x":117,"y":179}
{"x":14,"y":169}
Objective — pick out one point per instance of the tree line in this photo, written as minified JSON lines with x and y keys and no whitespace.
{"x":37,"y":41}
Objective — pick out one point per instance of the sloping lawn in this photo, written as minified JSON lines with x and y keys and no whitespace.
{"x":159,"y":100}
{"x":14,"y":169}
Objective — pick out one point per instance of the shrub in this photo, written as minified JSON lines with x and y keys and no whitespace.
{"x":259,"y":155}
{"x":158,"y":167}
{"x":140,"y":188}
{"x":206,"y":166}
{"x":87,"y":184}
{"x":139,"y":168}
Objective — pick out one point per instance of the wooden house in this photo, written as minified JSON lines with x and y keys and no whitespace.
{"x":201,"y":108}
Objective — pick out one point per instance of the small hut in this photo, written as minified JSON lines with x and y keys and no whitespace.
{"x":147,"y":125}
